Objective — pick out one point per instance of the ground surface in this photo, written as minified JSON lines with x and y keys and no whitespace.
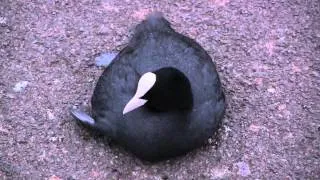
{"x":267,"y":54}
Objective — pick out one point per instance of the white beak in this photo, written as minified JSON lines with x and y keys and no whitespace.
{"x":145,"y":83}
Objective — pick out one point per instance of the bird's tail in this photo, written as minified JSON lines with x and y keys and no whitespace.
{"x":100,"y":126}
{"x":154,"y":22}
{"x":83,"y":117}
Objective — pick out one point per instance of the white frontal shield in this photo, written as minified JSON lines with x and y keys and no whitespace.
{"x":146,"y":82}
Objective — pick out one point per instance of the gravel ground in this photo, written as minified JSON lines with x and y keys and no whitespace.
{"x":267,"y":53}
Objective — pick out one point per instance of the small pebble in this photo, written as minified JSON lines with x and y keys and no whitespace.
{"x":3,"y":130}
{"x":70,"y":178}
{"x":105,"y":59}
{"x":271,"y":90}
{"x":54,"y":177}
{"x":3,"y":20}
{"x":282,"y":107}
{"x":243,"y":169}
{"x":256,"y":128}
{"x":258,"y":81}
{"x":315,"y":73}
{"x":50,"y":115}
{"x":20,"y":86}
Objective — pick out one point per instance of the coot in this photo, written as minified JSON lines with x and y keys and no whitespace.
{"x":160,"y":97}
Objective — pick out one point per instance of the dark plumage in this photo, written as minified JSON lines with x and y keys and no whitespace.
{"x":171,"y":92}
{"x":185,"y":106}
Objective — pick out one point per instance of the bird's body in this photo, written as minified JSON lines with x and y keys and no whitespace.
{"x":148,"y":133}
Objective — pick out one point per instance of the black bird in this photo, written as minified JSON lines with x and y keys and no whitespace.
{"x":160,"y":97}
